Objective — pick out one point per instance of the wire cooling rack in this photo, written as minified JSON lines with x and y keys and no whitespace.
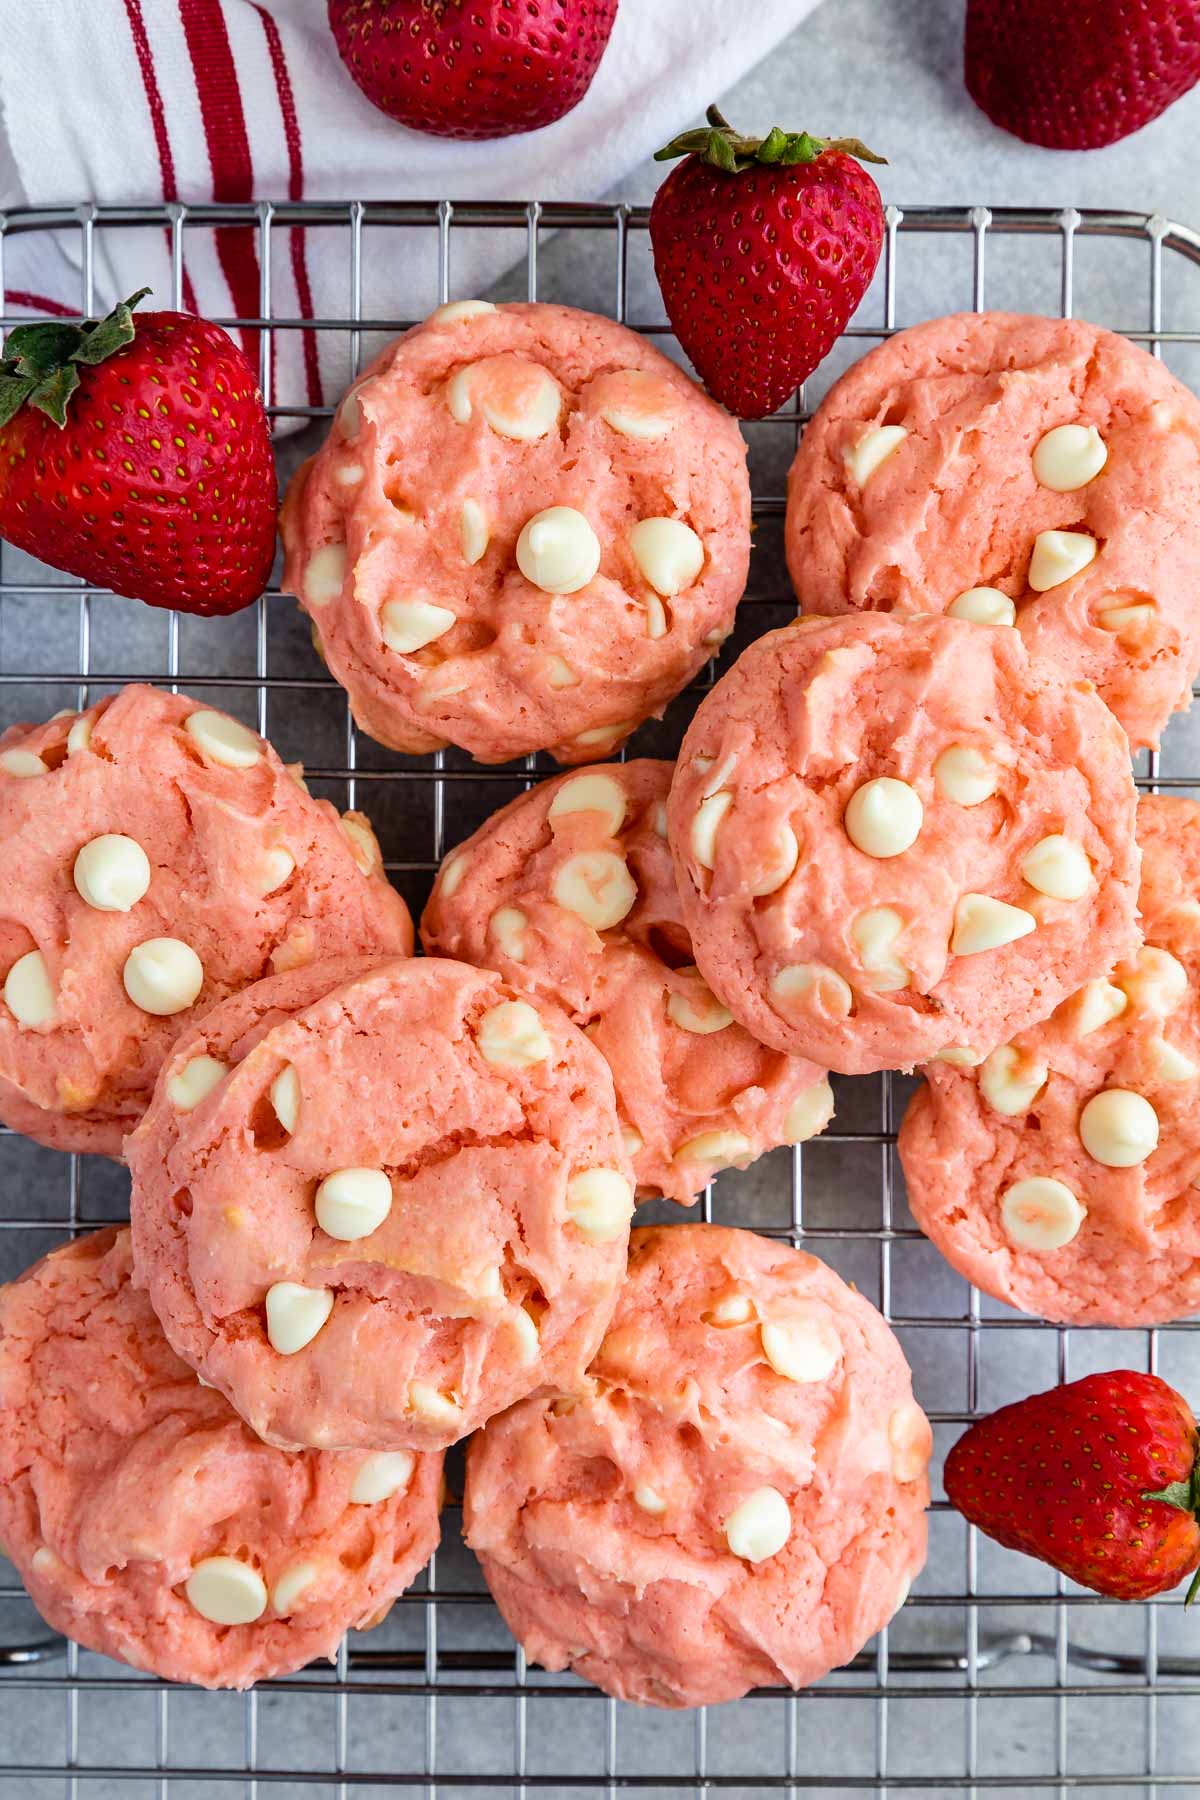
{"x":996,"y":1675}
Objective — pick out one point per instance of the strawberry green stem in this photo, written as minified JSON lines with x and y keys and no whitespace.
{"x":1184,"y":1496}
{"x":41,"y":362}
{"x":718,"y":144}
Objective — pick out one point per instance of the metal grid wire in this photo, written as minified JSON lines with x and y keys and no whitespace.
{"x":974,"y":1638}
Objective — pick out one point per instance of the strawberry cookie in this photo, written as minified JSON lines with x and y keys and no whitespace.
{"x":896,"y":836}
{"x":158,"y":856}
{"x":375,"y":1208}
{"x":1040,"y":473}
{"x":736,"y":1497}
{"x":149,"y":1523}
{"x":527,"y":530}
{"x":569,"y":892}
{"x":1060,"y":1174}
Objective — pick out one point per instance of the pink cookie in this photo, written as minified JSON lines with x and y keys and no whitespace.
{"x":569,"y":893}
{"x":1011,"y":469}
{"x":737,"y":1497}
{"x":149,"y":1523}
{"x":528,"y":530}
{"x":898,"y":835}
{"x":1061,"y":1174}
{"x":374,"y":1210}
{"x":158,"y":856}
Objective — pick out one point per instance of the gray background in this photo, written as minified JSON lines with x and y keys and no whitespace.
{"x":888,"y":73}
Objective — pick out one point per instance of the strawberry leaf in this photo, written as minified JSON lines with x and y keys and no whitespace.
{"x":51,"y":396}
{"x":38,"y":363}
{"x":109,"y":334}
{"x":37,"y":349}
{"x":1179,"y":1494}
{"x":14,"y":391}
{"x":724,"y":148}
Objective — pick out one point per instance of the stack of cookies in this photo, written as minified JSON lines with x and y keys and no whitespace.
{"x":381,"y":1204}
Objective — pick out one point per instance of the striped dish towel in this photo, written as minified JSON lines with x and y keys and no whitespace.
{"x":234,"y":100}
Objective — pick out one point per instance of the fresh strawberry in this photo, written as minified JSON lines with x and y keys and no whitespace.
{"x":1075,"y":77}
{"x":473,"y":68}
{"x":136,"y":453}
{"x":1098,"y":1478}
{"x":763,"y":248}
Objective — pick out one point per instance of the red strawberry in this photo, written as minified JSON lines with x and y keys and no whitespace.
{"x":473,"y":68}
{"x":1098,"y":1478}
{"x":1074,"y":77}
{"x":763,"y":248}
{"x":137,"y":454}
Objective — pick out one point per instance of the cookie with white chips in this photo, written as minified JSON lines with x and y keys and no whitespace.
{"x":158,"y":856}
{"x":527,"y":530}
{"x":735,"y":1499}
{"x":149,"y":1523}
{"x":1061,"y":1173}
{"x":1015,"y":471}
{"x":569,"y":892}
{"x":374,"y":1205}
{"x":901,"y":835}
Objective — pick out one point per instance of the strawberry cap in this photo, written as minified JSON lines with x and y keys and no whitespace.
{"x":718,"y":144}
{"x":1184,"y":1496}
{"x":40,"y":361}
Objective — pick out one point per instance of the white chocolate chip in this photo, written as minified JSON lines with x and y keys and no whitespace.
{"x":731,"y":1309}
{"x":983,"y":606}
{"x":600,"y":1203}
{"x":473,"y":531}
{"x":512,"y":1036}
{"x":349,"y":474}
{"x":524,"y":408}
{"x":1059,"y":867}
{"x":352,"y":1203}
{"x":80,"y":735}
{"x":1170,"y":1063}
{"x":910,"y":1440}
{"x":277,"y":866}
{"x":1118,"y":1128}
{"x":874,"y":932}
{"x":883,"y":817}
{"x":816,"y":987}
{"x":656,"y":618}
{"x":453,"y":312}
{"x":965,"y":775}
{"x":223,"y":740}
{"x":431,"y":1403}
{"x":409,"y":625}
{"x":723,"y":1149}
{"x":873,"y":448}
{"x":631,"y":411}
{"x":506,"y":928}
{"x":453,"y":868}
{"x":558,"y":551}
{"x":291,"y":1587}
{"x":22,"y":763}
{"x":1040,"y":1213}
{"x":983,"y":923}
{"x":597,"y":885}
{"x":295,"y":1314}
{"x":526,"y":1332}
{"x":778,"y":867}
{"x":188,"y":1087}
{"x":1057,"y":556}
{"x":325,"y":574}
{"x":226,"y":1591}
{"x":29,"y":992}
{"x":163,"y":976}
{"x":708,"y":817}
{"x":349,"y":417}
{"x":1011,"y":1080}
{"x":111,"y":873}
{"x":1158,"y":981}
{"x":632,"y":1140}
{"x":959,"y":1056}
{"x":649,"y":1499}
{"x":605,"y":734}
{"x":285,"y":1097}
{"x":363,"y":846}
{"x":803,"y":1350}
{"x":381,"y":1475}
{"x":808,"y":1114}
{"x":559,"y":673}
{"x":591,"y":793}
{"x":697,"y":1011}
{"x":1069,"y":457}
{"x":669,"y":554}
{"x":1097,"y":1004}
{"x":760,"y":1526}
{"x":44,"y":1561}
{"x":1132,"y":619}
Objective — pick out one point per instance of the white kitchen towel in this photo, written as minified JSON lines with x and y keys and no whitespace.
{"x":124,"y":101}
